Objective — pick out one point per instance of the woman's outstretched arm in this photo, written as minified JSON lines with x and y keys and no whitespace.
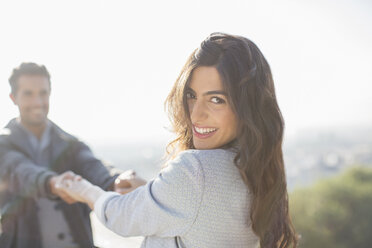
{"x":167,"y":206}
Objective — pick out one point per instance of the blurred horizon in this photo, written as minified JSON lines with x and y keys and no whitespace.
{"x":308,"y":156}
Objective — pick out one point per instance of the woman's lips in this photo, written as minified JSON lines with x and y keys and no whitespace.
{"x":203,"y":132}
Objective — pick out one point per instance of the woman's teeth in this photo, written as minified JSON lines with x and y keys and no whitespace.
{"x":204,"y":130}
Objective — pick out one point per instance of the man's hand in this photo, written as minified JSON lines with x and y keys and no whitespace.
{"x":127,"y":182}
{"x":55,"y":180}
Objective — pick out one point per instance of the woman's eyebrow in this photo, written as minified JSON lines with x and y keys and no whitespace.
{"x":212,"y":92}
{"x":215,"y":92}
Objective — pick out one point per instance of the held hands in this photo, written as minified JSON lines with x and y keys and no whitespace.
{"x":53,"y":182}
{"x":73,"y":188}
{"x":127,"y":182}
{"x":78,"y":189}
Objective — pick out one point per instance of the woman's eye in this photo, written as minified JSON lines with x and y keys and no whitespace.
{"x":189,"y":95}
{"x":217,"y":100}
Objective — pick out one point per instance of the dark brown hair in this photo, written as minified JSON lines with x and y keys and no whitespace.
{"x":28,"y":68}
{"x":247,"y":79}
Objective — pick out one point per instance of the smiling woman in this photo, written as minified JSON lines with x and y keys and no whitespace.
{"x":224,"y":184}
{"x":213,"y":121}
{"x":225,"y":98}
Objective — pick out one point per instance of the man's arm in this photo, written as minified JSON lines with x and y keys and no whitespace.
{"x":92,"y":169}
{"x":22,"y":176}
{"x":107,"y":177}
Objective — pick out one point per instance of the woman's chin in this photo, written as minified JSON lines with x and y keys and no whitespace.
{"x":204,"y":145}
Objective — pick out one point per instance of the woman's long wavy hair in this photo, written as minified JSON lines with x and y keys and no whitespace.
{"x":247,"y":79}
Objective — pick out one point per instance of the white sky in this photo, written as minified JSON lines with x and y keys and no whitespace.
{"x":114,"y":62}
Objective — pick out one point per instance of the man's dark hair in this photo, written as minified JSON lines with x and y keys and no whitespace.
{"x":29,"y":68}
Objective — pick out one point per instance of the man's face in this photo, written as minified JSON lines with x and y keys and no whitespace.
{"x":32,"y":99}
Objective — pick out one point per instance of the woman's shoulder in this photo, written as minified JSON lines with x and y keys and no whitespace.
{"x":195,"y":162}
{"x":208,"y":156}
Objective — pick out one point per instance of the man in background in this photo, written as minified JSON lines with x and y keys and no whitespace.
{"x":34,"y":154}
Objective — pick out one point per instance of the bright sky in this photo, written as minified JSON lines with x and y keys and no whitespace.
{"x":114,"y":62}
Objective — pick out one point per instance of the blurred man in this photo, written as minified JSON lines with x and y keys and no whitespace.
{"x":34,"y":154}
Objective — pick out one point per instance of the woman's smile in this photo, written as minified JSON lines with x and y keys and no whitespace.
{"x":203,"y":132}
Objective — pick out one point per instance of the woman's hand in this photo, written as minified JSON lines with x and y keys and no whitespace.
{"x":80,"y":189}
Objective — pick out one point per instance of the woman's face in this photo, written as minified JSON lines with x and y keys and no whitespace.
{"x":214,"y":123}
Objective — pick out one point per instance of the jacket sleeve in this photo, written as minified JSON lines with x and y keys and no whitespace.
{"x":20,"y":175}
{"x":91,"y":168}
{"x":167,"y":206}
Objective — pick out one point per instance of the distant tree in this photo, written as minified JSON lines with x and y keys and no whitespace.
{"x":335,"y":212}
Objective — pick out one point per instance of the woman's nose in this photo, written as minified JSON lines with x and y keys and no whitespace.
{"x":198,"y":111}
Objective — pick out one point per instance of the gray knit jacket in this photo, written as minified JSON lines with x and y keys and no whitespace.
{"x":198,"y":200}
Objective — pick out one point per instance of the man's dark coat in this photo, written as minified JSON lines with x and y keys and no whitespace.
{"x":22,"y":182}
